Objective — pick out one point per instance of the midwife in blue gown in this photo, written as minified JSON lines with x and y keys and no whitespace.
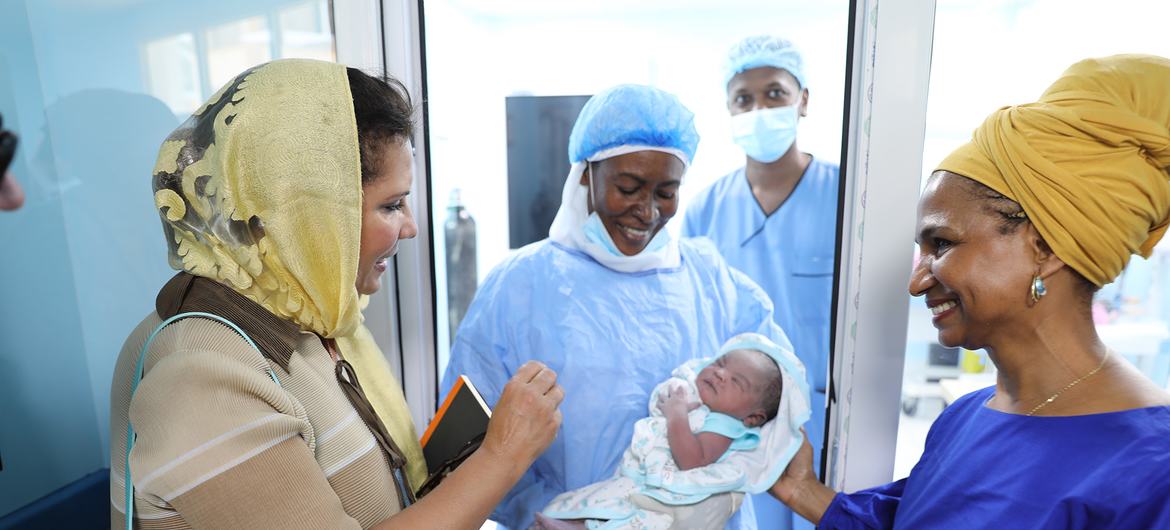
{"x":610,"y":300}
{"x":1018,"y":229}
{"x":775,"y":218}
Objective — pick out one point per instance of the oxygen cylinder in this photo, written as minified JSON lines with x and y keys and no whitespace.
{"x":462,"y":278}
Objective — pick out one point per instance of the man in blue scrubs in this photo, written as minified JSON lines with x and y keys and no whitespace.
{"x":775,"y":218}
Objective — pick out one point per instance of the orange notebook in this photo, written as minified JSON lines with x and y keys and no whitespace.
{"x":462,"y":417}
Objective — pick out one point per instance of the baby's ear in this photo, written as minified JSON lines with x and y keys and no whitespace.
{"x":755,"y":419}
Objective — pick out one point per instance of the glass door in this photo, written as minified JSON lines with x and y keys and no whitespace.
{"x":1021,"y":48}
{"x":504,"y":84}
{"x":505,"y":81}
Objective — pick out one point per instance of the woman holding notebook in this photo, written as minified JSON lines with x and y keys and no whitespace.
{"x":237,"y":402}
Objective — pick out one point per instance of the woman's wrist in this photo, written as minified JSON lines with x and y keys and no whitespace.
{"x":495,"y":461}
{"x":800,"y":489}
{"x":805,"y":496}
{"x":785,"y":490}
{"x":466,"y":497}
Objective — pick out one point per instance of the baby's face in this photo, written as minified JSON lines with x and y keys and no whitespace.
{"x":734,"y":383}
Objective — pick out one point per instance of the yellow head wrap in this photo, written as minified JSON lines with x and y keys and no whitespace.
{"x":261,"y":190}
{"x":1088,"y":162}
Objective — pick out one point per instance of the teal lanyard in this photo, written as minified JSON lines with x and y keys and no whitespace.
{"x":129,"y":484}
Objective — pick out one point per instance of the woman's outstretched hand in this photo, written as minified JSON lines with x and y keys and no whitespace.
{"x":799,"y":488}
{"x":798,"y":472}
{"x":526,"y":418}
{"x":523,"y":424}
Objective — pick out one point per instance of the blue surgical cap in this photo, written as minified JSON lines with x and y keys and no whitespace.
{"x":634,"y":116}
{"x":764,"y":50}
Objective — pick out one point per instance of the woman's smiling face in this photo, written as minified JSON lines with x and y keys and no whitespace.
{"x":386,"y":216}
{"x":634,"y":194}
{"x":973,"y":268}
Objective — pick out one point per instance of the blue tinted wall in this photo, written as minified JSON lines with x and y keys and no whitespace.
{"x":81,"y":263}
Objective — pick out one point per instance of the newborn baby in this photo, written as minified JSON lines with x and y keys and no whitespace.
{"x":677,"y":466}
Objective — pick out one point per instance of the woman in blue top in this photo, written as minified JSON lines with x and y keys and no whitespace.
{"x":610,"y":301}
{"x":1017,"y":230}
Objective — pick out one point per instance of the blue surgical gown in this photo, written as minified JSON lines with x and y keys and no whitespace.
{"x":982,"y":468}
{"x":790,"y":255}
{"x":611,"y":337}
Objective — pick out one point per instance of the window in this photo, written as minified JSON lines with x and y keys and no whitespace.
{"x":173,"y":63}
{"x":503,"y":71}
{"x":235,"y":47}
{"x":305,"y":32}
{"x":93,"y":88}
{"x":986,"y":55}
{"x":185,"y":69}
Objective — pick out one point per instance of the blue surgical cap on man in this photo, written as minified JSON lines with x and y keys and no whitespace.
{"x":764,"y":50}
{"x":633,"y":116}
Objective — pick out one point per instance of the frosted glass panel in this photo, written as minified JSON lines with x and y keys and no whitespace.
{"x":92,"y":87}
{"x":172,"y":66}
{"x":236,"y":46}
{"x":304,"y":32}
{"x":1023,"y":47}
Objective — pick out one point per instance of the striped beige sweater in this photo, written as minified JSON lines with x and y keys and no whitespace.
{"x":220,"y":445}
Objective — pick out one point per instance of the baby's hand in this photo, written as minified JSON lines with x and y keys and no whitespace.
{"x":674,"y":401}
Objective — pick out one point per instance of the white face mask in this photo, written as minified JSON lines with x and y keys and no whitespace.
{"x":596,"y":232}
{"x":765,"y":134}
{"x":569,"y":230}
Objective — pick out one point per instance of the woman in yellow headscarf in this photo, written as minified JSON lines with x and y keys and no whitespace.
{"x":282,"y":199}
{"x":1017,"y":230}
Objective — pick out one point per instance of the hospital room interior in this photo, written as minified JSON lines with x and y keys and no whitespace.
{"x":505,"y":98}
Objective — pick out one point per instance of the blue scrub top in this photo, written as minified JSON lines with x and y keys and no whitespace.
{"x":790,"y":255}
{"x":611,"y":337}
{"x":982,"y":468}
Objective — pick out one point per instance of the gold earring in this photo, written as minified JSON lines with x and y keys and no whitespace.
{"x":1038,"y":290}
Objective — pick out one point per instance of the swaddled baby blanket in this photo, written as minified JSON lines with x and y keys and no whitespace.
{"x":753,"y":463}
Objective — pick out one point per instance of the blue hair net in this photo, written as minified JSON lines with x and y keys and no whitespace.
{"x":764,"y":50}
{"x":633,"y":115}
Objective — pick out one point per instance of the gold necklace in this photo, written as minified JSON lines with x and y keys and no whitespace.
{"x":1070,"y":385}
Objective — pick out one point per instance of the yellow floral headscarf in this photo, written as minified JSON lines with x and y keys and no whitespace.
{"x":1087,"y":162}
{"x":261,"y":190}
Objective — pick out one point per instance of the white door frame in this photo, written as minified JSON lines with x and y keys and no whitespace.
{"x":402,"y":24}
{"x":386,"y":37}
{"x":890,"y":69}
